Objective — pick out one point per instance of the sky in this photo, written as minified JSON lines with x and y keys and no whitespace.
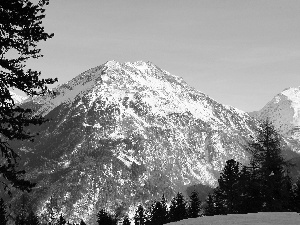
{"x":238,"y":52}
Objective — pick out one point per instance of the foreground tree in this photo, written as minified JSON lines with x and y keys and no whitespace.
{"x":61,"y":220}
{"x":140,"y":217}
{"x":165,"y":211}
{"x":82,"y":222}
{"x":178,"y":208}
{"x":126,"y":221}
{"x":157,"y":214}
{"x":229,"y":186}
{"x":209,"y":210}
{"x":21,"y":29}
{"x":264,"y":185}
{"x":103,"y":218}
{"x":296,"y":196}
{"x":270,"y":168}
{"x":248,"y":191}
{"x":194,"y":207}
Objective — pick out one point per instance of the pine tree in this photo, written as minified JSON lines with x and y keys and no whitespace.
{"x":157,"y":213}
{"x":103,"y":218}
{"x":3,"y":218}
{"x":21,"y":30}
{"x":61,"y":220}
{"x":194,"y":208}
{"x":220,"y":202}
{"x":178,"y":208}
{"x":248,"y":190}
{"x":140,"y":217}
{"x":164,"y":209}
{"x":126,"y":220}
{"x":228,"y":186}
{"x":287,"y":194}
{"x":296,"y":196}
{"x":82,"y":222}
{"x":209,"y":210}
{"x":269,"y":167}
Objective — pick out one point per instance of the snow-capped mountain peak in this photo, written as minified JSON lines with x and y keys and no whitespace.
{"x":122,"y":133}
{"x":284,"y":112}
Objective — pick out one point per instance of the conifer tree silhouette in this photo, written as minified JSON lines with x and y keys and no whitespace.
{"x":82,"y":222}
{"x":103,"y":218}
{"x":296,"y":196}
{"x":194,"y":207}
{"x":21,"y":30}
{"x":219,"y":200}
{"x":209,"y":210}
{"x":140,"y":217}
{"x":61,"y":220}
{"x":178,"y":208}
{"x":229,"y":186}
{"x":248,"y":192}
{"x":157,"y":213}
{"x":269,"y":167}
{"x":126,"y":221}
{"x":164,"y":209}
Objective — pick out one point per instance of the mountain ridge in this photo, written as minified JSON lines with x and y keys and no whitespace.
{"x":123,"y":133}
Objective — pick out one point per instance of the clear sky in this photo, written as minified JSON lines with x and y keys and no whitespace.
{"x":239,"y":52}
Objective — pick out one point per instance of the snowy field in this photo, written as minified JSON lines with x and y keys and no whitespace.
{"x":269,"y":218}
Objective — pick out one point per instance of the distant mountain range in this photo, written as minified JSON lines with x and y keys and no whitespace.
{"x":124,"y":133}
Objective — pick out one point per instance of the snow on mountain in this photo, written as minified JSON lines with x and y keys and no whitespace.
{"x":261,"y":218}
{"x":284,"y":111}
{"x":124,"y":133}
{"x":18,"y":99}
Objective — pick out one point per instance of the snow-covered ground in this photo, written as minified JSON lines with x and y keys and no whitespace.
{"x":269,"y":218}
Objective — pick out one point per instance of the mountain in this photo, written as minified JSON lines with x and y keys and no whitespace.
{"x":284,"y":111}
{"x":124,"y":133}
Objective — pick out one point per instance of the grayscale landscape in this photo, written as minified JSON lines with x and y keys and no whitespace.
{"x":149,"y":112}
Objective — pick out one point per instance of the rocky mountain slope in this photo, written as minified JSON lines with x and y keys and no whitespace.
{"x":124,"y":133}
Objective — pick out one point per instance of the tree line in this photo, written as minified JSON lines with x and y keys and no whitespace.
{"x":157,"y":214}
{"x":265,"y":185}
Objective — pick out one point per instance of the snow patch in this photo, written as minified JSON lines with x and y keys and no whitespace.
{"x":127,"y":160}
